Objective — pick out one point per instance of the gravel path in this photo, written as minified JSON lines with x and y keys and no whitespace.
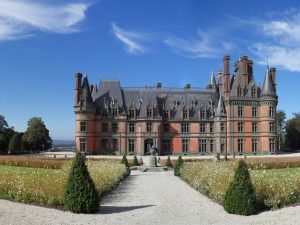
{"x":146,"y":198}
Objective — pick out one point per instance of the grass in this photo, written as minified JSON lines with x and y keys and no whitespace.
{"x":45,"y":186}
{"x":274,"y":187}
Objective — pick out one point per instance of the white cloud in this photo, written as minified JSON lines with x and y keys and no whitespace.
{"x":205,"y":46}
{"x":20,"y":18}
{"x":130,"y":39}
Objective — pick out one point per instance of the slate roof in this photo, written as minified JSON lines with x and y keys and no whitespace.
{"x":268,"y":86}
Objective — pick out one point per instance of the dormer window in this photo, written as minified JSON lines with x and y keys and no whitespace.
{"x":149,"y":112}
{"x":131,"y":113}
{"x":185,"y":113}
{"x":104,"y":111}
{"x":253,"y":93}
{"x":115,"y":111}
{"x":239,"y":92}
{"x":202,"y":114}
{"x":166,"y":114}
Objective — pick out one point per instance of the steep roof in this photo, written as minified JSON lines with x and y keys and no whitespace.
{"x":268,"y":86}
{"x":220,"y":109}
{"x":86,"y":96}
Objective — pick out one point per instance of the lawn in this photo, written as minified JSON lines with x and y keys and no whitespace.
{"x":45,"y":186}
{"x":274,"y":187}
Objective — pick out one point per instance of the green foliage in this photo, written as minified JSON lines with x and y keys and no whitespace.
{"x":15,"y":143}
{"x":3,"y":143}
{"x":135,"y":162}
{"x":168,"y":162}
{"x":240,"y":196}
{"x":37,"y":136}
{"x":125,"y":161}
{"x":178,"y":166}
{"x":293,"y":133}
{"x":80,"y":194}
{"x":281,"y":126}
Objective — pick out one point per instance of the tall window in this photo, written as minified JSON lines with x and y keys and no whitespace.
{"x":115,"y":127}
{"x":211,"y":142}
{"x":211,"y":127}
{"x":240,"y":126}
{"x":272,"y":127}
{"x":166,"y":127}
{"x":253,"y":93}
{"x":254,"y":112}
{"x":202,"y":127}
{"x":131,"y":127}
{"x":105,"y":111}
{"x":149,"y":127}
{"x":254,"y":127}
{"x":185,"y":145}
{"x":82,"y":126}
{"x":222,"y":127}
{"x":254,"y":145}
{"x":104,"y":127}
{"x":114,"y":144}
{"x":149,"y":112}
{"x":240,"y":145}
{"x":131,"y":113}
{"x":239,"y":92}
{"x":104,"y":144}
{"x":82,"y":144}
{"x":131,"y":145}
{"x":272,"y":111}
{"x":272,"y":144}
{"x":202,"y":114}
{"x":166,"y":113}
{"x":184,"y":113}
{"x":185,"y":127}
{"x":202,"y":145}
{"x":166,"y":145}
{"x":240,"y":111}
{"x":115,"y":111}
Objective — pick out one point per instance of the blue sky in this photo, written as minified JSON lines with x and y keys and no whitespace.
{"x":43,"y":43}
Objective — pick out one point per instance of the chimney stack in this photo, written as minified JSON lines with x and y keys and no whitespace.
{"x":78,"y":84}
{"x":159,"y":85}
{"x":226,"y":61}
{"x":273,"y":76}
{"x":244,"y":60}
{"x":187,"y":87}
{"x":220,"y":84}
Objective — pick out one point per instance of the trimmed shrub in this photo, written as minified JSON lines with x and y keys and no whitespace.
{"x":168,"y":162}
{"x":240,"y":196}
{"x":178,"y":166}
{"x":135,"y":162}
{"x":80,"y":194}
{"x":125,"y":161}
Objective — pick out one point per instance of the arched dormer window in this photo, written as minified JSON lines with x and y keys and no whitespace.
{"x":253,"y":92}
{"x":185,"y":113}
{"x":239,"y":91}
{"x":115,"y":111}
{"x":131,"y":112}
{"x":149,"y":112}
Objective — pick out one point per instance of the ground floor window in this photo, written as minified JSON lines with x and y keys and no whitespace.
{"x":202,"y":145}
{"x":82,"y":144}
{"x":166,"y":145}
{"x":131,"y":145}
{"x":185,"y":145}
{"x":211,"y":148}
{"x":254,"y":145}
{"x":240,"y":145}
{"x":272,"y":144}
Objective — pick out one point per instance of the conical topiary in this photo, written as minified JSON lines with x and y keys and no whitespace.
{"x":125,"y":161}
{"x":135,"y":161}
{"x":178,"y":166}
{"x":240,"y":196}
{"x":80,"y":194}
{"x":168,"y":162}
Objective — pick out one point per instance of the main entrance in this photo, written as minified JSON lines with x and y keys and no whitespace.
{"x":147,"y":146}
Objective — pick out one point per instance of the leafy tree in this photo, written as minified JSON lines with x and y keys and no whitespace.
{"x":37,"y":136}
{"x":80,"y":194}
{"x":293,"y":133}
{"x":3,"y":123}
{"x":281,"y":126}
{"x":135,"y":161}
{"x":3,"y":143}
{"x":240,"y":196}
{"x":15,"y":143}
{"x":168,"y":162}
{"x":178,"y":166}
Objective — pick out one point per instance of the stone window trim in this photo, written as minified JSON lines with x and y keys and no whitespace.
{"x":82,"y":145}
{"x":83,"y":127}
{"x":131,"y":113}
{"x":240,"y":127}
{"x":185,"y":144}
{"x":254,"y":145}
{"x":254,"y":111}
{"x":202,"y":114}
{"x":240,"y":111}
{"x":149,"y":112}
{"x":202,"y":128}
{"x":185,"y":127}
{"x":115,"y":127}
{"x":272,"y":127}
{"x":202,"y":145}
{"x":131,"y":127}
{"x":115,"y":111}
{"x":148,"y":127}
{"x":254,"y":127}
{"x":272,"y":111}
{"x":272,"y":144}
{"x":240,"y":145}
{"x":185,"y":113}
{"x":131,"y":145}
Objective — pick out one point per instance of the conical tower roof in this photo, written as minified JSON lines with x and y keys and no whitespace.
{"x":220,"y":109}
{"x":86,"y":96}
{"x":268,"y":86}
{"x":212,"y":81}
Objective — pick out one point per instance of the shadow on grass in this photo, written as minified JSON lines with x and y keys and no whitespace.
{"x":120,"y":209}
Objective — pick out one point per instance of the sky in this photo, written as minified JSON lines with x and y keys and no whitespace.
{"x":43,"y":43}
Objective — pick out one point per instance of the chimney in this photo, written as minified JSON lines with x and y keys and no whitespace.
{"x":226,"y":61}
{"x":187,"y":87}
{"x":158,"y":85}
{"x":273,"y":76}
{"x":220,"y":85}
{"x":78,"y":78}
{"x":244,"y":60}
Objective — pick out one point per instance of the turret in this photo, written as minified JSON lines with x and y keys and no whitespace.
{"x":273,"y":76}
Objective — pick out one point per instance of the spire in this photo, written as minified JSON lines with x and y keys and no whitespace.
{"x":86,"y":93}
{"x":212,"y":82}
{"x":268,"y":86}
{"x":220,"y":109}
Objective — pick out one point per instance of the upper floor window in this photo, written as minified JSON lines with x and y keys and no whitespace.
{"x":149,"y":112}
{"x":272,"y":111}
{"x":131,"y":127}
{"x":254,"y":127}
{"x":222,"y":127}
{"x":272,"y":127}
{"x":166,"y":127}
{"x":185,"y":127}
{"x":202,"y":114}
{"x":254,"y":112}
{"x":82,"y":126}
{"x":115,"y":111}
{"x":240,"y":111}
{"x":202,"y":127}
{"x":104,"y":127}
{"x":240,"y":126}
{"x":149,"y":127}
{"x":211,"y":127}
{"x":184,"y":113}
{"x":239,"y":92}
{"x":115,"y":127}
{"x":253,"y":93}
{"x":131,"y":113}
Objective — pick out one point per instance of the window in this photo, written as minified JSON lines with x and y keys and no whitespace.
{"x":202,"y":127}
{"x":184,"y":113}
{"x":131,"y":127}
{"x":149,"y":112}
{"x":115,"y":111}
{"x":202,"y":114}
{"x":254,"y":145}
{"x":185,"y":145}
{"x":131,"y":113}
{"x":211,"y":142}
{"x":254,"y":111}
{"x":166,"y":127}
{"x":104,"y":111}
{"x":114,"y":145}
{"x":185,"y":127}
{"x":240,"y":111}
{"x":222,"y":127}
{"x":253,"y":93}
{"x":240,"y":145}
{"x":239,"y":92}
{"x":82,"y":126}
{"x":166,"y":114}
{"x":104,"y":127}
{"x":272,"y":127}
{"x":240,"y":126}
{"x":115,"y":127}
{"x":104,"y":144}
{"x":82,"y":144}
{"x":211,"y":128}
{"x":131,"y":145}
{"x":272,"y":144}
{"x":149,"y":127}
{"x":254,"y":127}
{"x":166,"y":145}
{"x":272,"y":112}
{"x":202,"y":145}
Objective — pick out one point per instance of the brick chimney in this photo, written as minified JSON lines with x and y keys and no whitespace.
{"x":226,"y":61}
{"x":244,"y":60}
{"x":220,"y":84}
{"x":78,"y":78}
{"x":273,"y":76}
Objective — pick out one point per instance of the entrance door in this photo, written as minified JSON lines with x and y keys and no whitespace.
{"x":148,"y":145}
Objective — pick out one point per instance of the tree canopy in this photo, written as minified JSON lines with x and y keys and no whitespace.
{"x":281,"y":126}
{"x":293,"y":132}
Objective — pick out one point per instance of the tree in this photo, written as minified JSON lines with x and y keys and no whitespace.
{"x":293,"y":133}
{"x":37,"y":136}
{"x":3,"y":143}
{"x":3,"y":123}
{"x":135,"y":162}
{"x":178,"y":166}
{"x":125,"y":161}
{"x":240,"y":196}
{"x":168,"y":162}
{"x":281,"y":126}
{"x":80,"y":194}
{"x":15,"y":143}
